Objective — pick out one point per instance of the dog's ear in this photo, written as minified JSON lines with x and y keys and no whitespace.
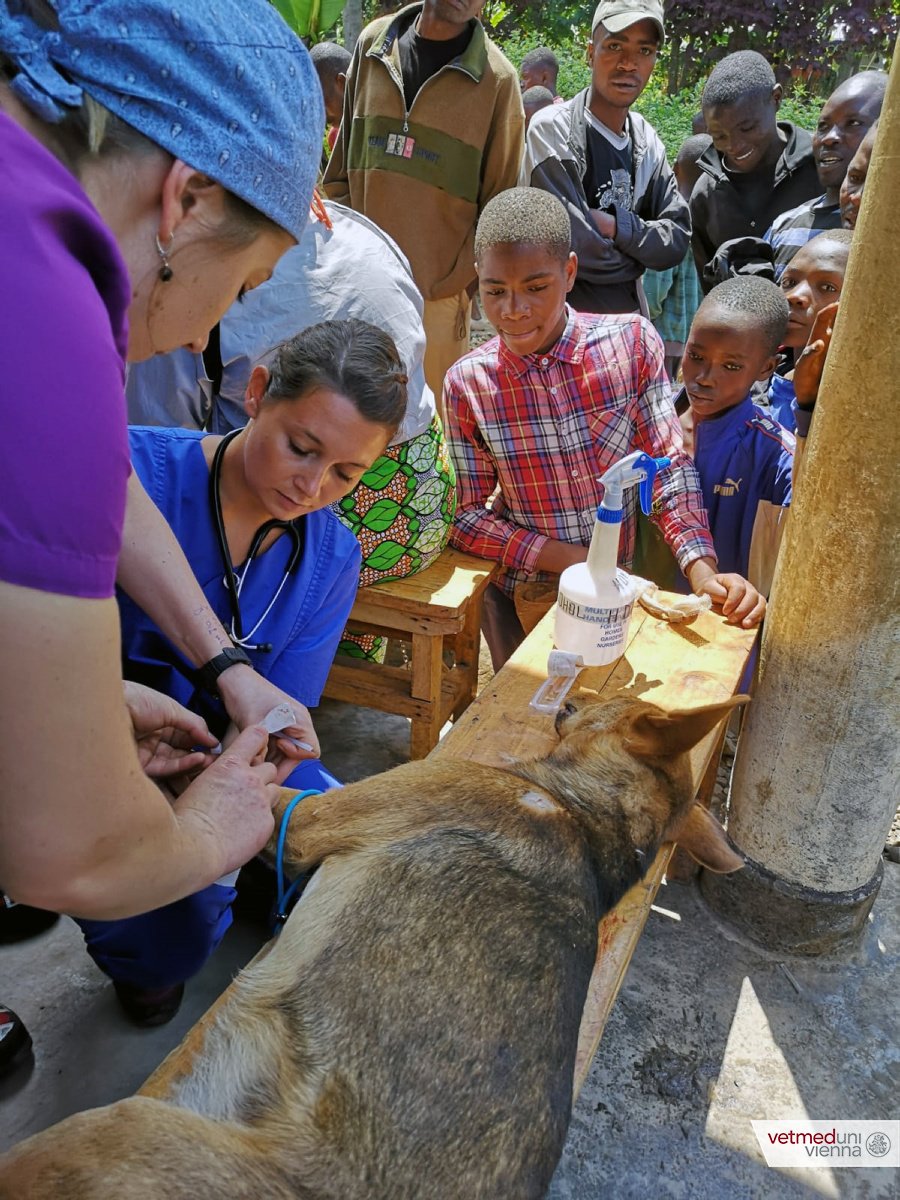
{"x":704,"y":839}
{"x":663,"y":735}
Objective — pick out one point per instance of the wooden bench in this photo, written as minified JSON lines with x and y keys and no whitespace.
{"x":675,"y":667}
{"x":438,"y":614}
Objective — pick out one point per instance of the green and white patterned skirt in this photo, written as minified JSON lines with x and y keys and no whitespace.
{"x":400,"y":513}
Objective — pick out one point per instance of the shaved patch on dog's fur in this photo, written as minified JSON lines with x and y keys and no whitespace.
{"x":538,"y":802}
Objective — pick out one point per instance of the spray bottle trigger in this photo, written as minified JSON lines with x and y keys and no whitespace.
{"x":645,"y":488}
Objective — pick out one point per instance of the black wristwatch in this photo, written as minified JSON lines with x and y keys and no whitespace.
{"x":209,"y":673}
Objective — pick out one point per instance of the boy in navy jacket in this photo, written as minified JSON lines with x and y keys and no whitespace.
{"x":743,"y":457}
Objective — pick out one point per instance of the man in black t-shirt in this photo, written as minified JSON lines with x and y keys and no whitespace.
{"x":432,"y":129}
{"x":608,"y":166}
{"x":423,"y":56}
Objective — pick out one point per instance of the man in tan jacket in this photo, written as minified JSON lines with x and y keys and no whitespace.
{"x":432,"y":129}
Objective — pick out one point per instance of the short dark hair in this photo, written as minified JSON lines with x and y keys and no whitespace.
{"x":840,"y":237}
{"x":540,"y":58}
{"x":845,"y":236}
{"x":875,"y":81}
{"x":692,"y":147}
{"x":757,"y":298}
{"x":737,"y":77}
{"x":330,"y":60}
{"x":524,"y":216}
{"x":537,"y":95}
{"x":352,"y":357}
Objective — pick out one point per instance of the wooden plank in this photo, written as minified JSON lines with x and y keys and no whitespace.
{"x":499,"y":725}
{"x":385,"y":696}
{"x":669,"y":665}
{"x":619,"y":933}
{"x":368,"y":617}
{"x":465,"y":646}
{"x":445,"y":587}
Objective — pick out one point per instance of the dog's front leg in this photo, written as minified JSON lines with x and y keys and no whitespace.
{"x":338,"y":820}
{"x":376,"y":810}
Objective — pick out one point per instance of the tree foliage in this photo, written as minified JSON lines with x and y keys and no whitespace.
{"x":311,"y":19}
{"x":817,"y":40}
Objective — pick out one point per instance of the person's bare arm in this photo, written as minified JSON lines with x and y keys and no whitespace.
{"x":807,"y":377}
{"x":156,"y":575}
{"x":82,"y":830}
{"x":556,"y":556}
{"x":740,"y":602}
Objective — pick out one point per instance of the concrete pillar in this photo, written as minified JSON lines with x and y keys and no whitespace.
{"x":815,"y":786}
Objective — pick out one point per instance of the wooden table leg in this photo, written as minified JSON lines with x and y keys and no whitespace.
{"x":466,"y":647}
{"x":427,"y":668}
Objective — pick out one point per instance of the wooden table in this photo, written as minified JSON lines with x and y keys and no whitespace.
{"x":673,"y":666}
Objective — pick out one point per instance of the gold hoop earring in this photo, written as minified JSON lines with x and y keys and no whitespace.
{"x":165,"y":271}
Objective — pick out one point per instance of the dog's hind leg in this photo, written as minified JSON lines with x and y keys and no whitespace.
{"x":142,"y":1148}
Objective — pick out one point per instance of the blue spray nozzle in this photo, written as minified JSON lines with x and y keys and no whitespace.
{"x":637,"y":468}
{"x":645,"y":489}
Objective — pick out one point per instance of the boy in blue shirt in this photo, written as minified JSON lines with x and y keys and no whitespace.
{"x":812,"y":280}
{"x":743,"y":457}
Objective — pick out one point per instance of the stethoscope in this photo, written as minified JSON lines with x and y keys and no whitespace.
{"x":234,"y":583}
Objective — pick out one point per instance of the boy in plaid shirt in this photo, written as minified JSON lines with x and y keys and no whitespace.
{"x":540,"y":411}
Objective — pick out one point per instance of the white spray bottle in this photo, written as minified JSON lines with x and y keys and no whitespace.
{"x":596,"y":597}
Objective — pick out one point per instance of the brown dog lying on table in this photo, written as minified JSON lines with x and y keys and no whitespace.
{"x":412,"y":1033}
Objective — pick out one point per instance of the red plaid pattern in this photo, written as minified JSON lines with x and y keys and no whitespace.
{"x":529,"y":438}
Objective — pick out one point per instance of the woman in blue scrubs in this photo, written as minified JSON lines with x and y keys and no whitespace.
{"x":250,"y":511}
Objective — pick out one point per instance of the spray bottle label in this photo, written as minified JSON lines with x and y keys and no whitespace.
{"x":597,"y":616}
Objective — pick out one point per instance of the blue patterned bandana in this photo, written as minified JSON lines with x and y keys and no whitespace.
{"x":223,"y":85}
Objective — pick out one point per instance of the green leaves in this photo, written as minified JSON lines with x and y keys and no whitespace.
{"x":427,"y":498}
{"x":494,"y":12}
{"x":380,"y":474}
{"x":381,"y":515}
{"x":420,"y":454}
{"x":432,"y":537}
{"x":310,"y":18}
{"x":385,"y":556}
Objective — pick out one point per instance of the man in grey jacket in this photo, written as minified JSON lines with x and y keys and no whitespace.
{"x":608,"y":166}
